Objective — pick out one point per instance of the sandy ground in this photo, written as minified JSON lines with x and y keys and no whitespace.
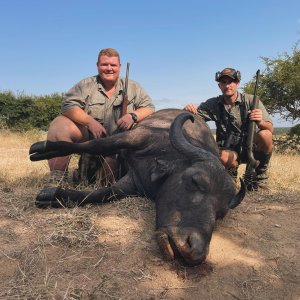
{"x":110,"y":251}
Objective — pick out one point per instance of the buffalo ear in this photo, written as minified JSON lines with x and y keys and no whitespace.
{"x":160,"y":169}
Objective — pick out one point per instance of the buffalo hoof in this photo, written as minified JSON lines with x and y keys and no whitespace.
{"x":47,"y":198}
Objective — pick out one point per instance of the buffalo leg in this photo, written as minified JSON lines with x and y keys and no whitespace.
{"x":58,"y":197}
{"x":103,"y":146}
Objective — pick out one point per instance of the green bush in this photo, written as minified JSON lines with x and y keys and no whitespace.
{"x":24,"y":112}
{"x":295,"y":130}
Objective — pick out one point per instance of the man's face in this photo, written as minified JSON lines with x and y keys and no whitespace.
{"x":228,"y":86}
{"x":109,"y":68}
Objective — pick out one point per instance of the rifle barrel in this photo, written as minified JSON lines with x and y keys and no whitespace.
{"x":127,"y":76}
{"x":252,"y":125}
{"x":125,"y":96}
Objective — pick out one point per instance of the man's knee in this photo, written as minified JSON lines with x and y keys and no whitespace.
{"x":229,"y":158}
{"x":64,"y":129}
{"x":263,"y":141}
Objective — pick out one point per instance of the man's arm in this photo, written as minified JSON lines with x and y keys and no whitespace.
{"x":75,"y":102}
{"x":127,"y":121}
{"x":142,"y":107}
{"x":191,"y":107}
{"x":79,"y":116}
{"x":257,"y":116}
{"x":143,"y":112}
{"x":204,"y":110}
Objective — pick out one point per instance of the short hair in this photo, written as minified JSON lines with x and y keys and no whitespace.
{"x":109,"y":52}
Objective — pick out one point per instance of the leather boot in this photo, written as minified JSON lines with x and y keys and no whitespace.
{"x":250,"y":179}
{"x":57,"y":178}
{"x":262,"y":169}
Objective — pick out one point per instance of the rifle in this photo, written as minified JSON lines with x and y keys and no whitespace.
{"x":250,"y":173}
{"x":125,"y":96}
{"x":123,"y":113}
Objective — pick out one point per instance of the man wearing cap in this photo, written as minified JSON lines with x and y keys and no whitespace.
{"x":231,"y":113}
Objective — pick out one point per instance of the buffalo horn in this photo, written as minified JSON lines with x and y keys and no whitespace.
{"x":237,"y":199}
{"x":179,"y":141}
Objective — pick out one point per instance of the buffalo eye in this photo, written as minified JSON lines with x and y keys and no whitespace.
{"x":200,"y":182}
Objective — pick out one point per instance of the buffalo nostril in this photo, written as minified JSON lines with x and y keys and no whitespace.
{"x":194,"y":251}
{"x":188,"y":241}
{"x":186,"y":250}
{"x":190,"y":248}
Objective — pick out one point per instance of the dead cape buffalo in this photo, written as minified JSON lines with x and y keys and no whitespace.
{"x":171,"y":160}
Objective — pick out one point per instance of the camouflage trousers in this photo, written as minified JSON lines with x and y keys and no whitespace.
{"x":97,"y":170}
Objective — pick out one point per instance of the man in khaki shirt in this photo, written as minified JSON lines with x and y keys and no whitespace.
{"x":92,"y":108}
{"x":231,"y":113}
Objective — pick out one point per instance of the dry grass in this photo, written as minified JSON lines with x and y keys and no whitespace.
{"x":109,"y":251}
{"x":284,"y":180}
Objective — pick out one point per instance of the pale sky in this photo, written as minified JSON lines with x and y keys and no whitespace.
{"x":174,"y":47}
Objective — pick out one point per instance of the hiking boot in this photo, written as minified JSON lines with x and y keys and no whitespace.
{"x":57,"y":178}
{"x":258,"y":179}
{"x":262,"y":175}
{"x":250,"y":181}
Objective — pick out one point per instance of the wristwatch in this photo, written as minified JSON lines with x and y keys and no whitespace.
{"x":134,"y":117}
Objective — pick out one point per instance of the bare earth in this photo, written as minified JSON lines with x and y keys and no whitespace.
{"x":110,"y":251}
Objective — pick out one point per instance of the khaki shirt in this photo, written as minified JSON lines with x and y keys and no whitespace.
{"x":230,"y":120}
{"x":89,"y":94}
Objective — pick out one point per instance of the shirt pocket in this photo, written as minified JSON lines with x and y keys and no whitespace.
{"x":96,"y":107}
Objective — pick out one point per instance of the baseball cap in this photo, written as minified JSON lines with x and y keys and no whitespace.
{"x":230,"y":72}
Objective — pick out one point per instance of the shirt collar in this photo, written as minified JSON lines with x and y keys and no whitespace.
{"x":238,"y":100}
{"x":119,"y":85}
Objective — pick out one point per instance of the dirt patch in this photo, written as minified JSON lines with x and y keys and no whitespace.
{"x":110,"y":252}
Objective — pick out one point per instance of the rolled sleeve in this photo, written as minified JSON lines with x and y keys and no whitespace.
{"x":207,"y":110}
{"x":139,"y":96}
{"x":77,"y":95}
{"x":265,"y":115}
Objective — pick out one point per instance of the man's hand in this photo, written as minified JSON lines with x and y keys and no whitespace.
{"x":256,"y":115}
{"x":77,"y":115}
{"x":96,"y":128}
{"x":191,"y":108}
{"x":126,"y":122}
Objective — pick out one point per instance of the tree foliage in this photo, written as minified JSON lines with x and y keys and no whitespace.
{"x":295,"y":131}
{"x":24,"y":112}
{"x":279,"y":85}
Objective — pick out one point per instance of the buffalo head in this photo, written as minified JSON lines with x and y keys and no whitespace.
{"x":198,"y":191}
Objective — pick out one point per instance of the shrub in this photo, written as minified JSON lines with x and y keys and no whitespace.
{"x":24,"y":112}
{"x":295,"y":131}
